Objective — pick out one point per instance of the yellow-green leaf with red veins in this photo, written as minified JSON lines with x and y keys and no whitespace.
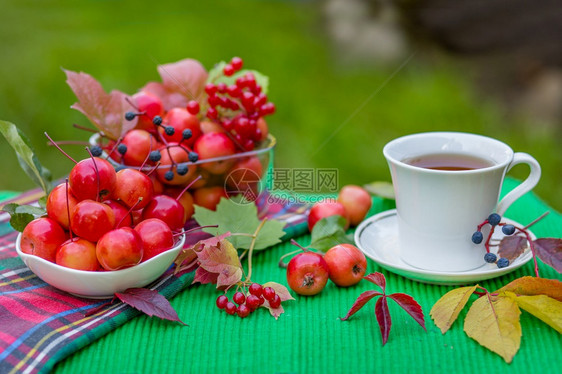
{"x":105,"y":111}
{"x":447,"y":308}
{"x":221,"y":259}
{"x":531,"y":286}
{"x":543,"y":307}
{"x":182,"y":81}
{"x":493,"y":321}
{"x":284,"y":295}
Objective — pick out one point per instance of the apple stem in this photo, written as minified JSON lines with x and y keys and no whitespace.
{"x":97,"y":172}
{"x":68,"y":142}
{"x":187,"y":187}
{"x":85,"y":128}
{"x":148,"y":155}
{"x":114,"y":147}
{"x":129,"y":213}
{"x":153,"y":169}
{"x":68,"y":207}
{"x":283,"y":264}
{"x":59,"y":148}
{"x":294,"y":242}
{"x":195,"y":229}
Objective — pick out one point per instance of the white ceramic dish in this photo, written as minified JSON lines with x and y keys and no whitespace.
{"x":377,"y":237}
{"x":100,"y":284}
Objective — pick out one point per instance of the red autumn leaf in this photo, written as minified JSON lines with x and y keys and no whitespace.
{"x":204,"y":277}
{"x":182,"y":81}
{"x":360,"y":302}
{"x":105,"y":111}
{"x":220,"y":257}
{"x":284,"y":295}
{"x":383,"y":318}
{"x":411,"y":306}
{"x":377,"y":278}
{"x":150,"y":302}
{"x":512,"y":247}
{"x":549,"y":250}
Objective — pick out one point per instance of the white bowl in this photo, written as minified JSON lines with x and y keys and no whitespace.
{"x":100,"y":284}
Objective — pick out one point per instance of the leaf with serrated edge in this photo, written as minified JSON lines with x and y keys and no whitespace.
{"x":360,"y":303}
{"x":150,"y":302}
{"x":447,"y":308}
{"x":411,"y":307}
{"x":27,"y":159}
{"x":204,"y":277}
{"x":328,"y":232}
{"x":530,"y":286}
{"x":494,"y":323}
{"x":543,"y":307}
{"x":383,"y":318}
{"x":511,"y":247}
{"x":284,"y":295}
{"x":223,"y":260}
{"x":236,"y":218}
{"x":377,"y":278}
{"x":549,"y":250}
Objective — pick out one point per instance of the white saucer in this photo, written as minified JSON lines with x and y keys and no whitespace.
{"x":377,"y":237}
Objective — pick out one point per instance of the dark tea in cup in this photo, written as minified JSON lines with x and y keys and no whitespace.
{"x":449,"y":162}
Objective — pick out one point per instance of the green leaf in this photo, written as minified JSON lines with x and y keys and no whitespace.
{"x":43,"y":202}
{"x":26,"y":157}
{"x":240,"y":218}
{"x":36,"y":211}
{"x":216,"y":76}
{"x":382,"y":189}
{"x":329,"y":232}
{"x":21,"y":215}
{"x":10,"y":208}
{"x":20,"y":220}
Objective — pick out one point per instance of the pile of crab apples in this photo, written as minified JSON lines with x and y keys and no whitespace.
{"x":100,"y":219}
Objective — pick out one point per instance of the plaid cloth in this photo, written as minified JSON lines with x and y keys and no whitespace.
{"x":40,"y":325}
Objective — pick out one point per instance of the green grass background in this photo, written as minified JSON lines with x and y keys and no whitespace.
{"x":120,"y":43}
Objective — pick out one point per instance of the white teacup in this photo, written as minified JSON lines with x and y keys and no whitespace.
{"x":438,"y":210}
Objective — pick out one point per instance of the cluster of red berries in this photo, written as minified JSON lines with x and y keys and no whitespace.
{"x":257,"y":295}
{"x":240,"y":106}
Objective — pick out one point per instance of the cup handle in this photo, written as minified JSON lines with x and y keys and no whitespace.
{"x":526,"y":186}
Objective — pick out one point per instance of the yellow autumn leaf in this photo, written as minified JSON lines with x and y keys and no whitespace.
{"x":493,"y":321}
{"x":535,"y":286}
{"x":447,"y":308}
{"x":543,"y":307}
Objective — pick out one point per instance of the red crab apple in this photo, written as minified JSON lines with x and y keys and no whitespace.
{"x":119,"y":248}
{"x":307,"y":273}
{"x":347,"y":264}
{"x":180,"y":119}
{"x":57,"y":207}
{"x":41,"y":237}
{"x":83,"y":179}
{"x":156,"y":237}
{"x":122,"y":216}
{"x":149,"y":104}
{"x":185,"y":199}
{"x":133,"y":187}
{"x":179,"y":156}
{"x":356,"y":201}
{"x":215,"y":144}
{"x":79,"y":254}
{"x":326,"y":209}
{"x":91,"y":220}
{"x":138,"y":144}
{"x":208,"y":197}
{"x":167,"y":209}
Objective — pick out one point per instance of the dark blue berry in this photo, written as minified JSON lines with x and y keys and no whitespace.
{"x":154,"y":156}
{"x":169,"y":175}
{"x":490,"y":257}
{"x":187,"y":134}
{"x":122,"y":148}
{"x":508,"y":229}
{"x":96,"y":151}
{"x":169,"y":130}
{"x":503,"y":263}
{"x":129,"y":116}
{"x":157,"y":120}
{"x":477,"y":237}
{"x":182,"y":169}
{"x":494,"y":219}
{"x":193,"y":157}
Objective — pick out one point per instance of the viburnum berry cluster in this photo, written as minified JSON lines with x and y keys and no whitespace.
{"x":243,"y":304}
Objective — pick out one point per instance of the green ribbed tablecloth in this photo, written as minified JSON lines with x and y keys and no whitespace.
{"x":310,"y":338}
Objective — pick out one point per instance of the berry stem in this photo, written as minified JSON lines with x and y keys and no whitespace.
{"x":68,"y":142}
{"x":89,"y":129}
{"x":59,"y":148}
{"x":537,"y":219}
{"x":251,"y":250}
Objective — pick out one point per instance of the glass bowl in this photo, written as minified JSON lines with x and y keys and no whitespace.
{"x":100,"y":284}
